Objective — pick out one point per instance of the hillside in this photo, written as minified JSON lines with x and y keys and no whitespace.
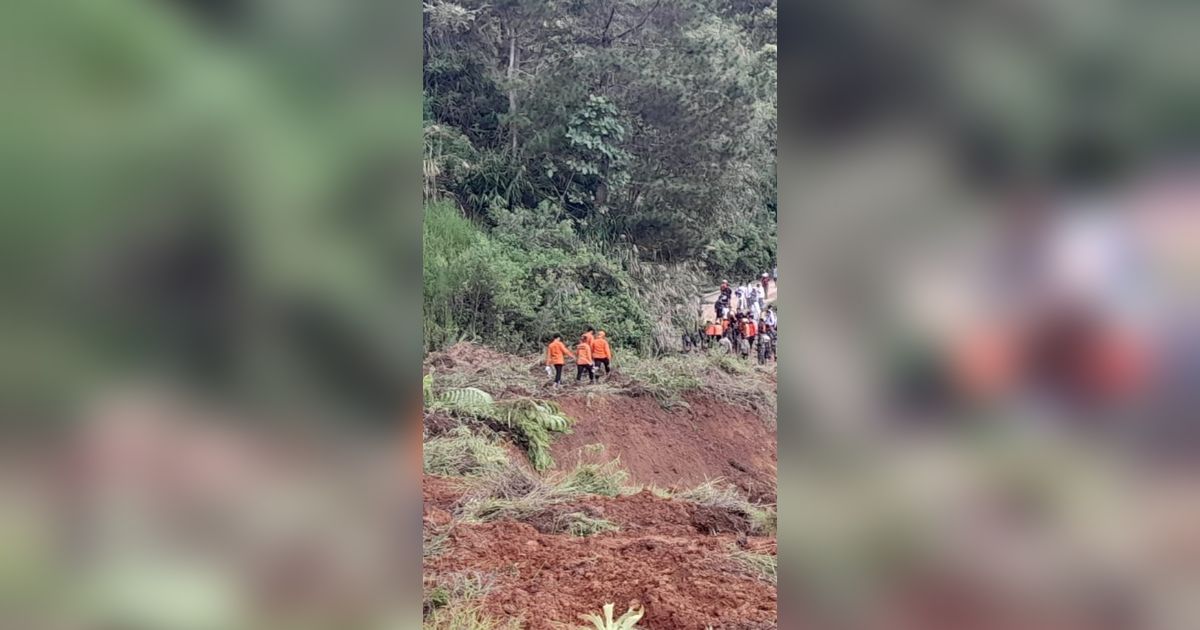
{"x":659,"y":494}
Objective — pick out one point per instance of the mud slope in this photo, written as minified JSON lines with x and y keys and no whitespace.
{"x":679,"y":447}
{"x":662,"y":557}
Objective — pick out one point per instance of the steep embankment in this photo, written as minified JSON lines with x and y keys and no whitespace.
{"x":678,"y":447}
{"x":624,"y":516}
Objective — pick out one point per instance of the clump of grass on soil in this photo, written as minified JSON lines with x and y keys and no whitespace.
{"x":511,"y":492}
{"x":763,"y":566}
{"x":516,"y":493}
{"x":722,"y":376}
{"x":602,"y":479}
{"x":722,"y":496}
{"x":518,"y":374}
{"x":463,"y":453}
{"x":580,"y":524}
{"x":667,"y":378}
{"x":454,"y":602}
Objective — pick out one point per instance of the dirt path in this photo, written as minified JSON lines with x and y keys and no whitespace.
{"x":708,"y":313}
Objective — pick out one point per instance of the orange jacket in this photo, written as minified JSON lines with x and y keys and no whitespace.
{"x":713,"y":330}
{"x":724,"y":325}
{"x":584,"y":352}
{"x":600,"y":349}
{"x":555,"y":352}
{"x":749,"y":329}
{"x":589,"y":337}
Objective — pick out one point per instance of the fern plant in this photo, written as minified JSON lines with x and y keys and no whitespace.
{"x":532,"y":421}
{"x":627,"y":621}
{"x":469,"y":399}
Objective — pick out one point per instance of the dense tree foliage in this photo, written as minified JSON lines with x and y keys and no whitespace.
{"x":626,"y":130}
{"x":642,"y":120}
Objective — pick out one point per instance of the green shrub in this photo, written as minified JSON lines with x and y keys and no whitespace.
{"x":527,"y":277}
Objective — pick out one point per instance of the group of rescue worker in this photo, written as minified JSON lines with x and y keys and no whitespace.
{"x":591,"y":353}
{"x":743,"y":324}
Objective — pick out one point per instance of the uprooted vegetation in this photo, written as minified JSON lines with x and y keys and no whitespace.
{"x":454,"y":602}
{"x":567,"y":502}
{"x":463,"y":453}
{"x":721,"y":496}
{"x":518,"y":494}
{"x":762,"y":565}
{"x":530,"y":421}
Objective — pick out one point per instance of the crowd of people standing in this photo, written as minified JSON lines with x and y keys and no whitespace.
{"x":744,"y":323}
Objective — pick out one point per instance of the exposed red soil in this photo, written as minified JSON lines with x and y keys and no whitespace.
{"x":680,"y":447}
{"x":664,"y":556}
{"x":682,"y":581}
{"x":671,"y":556}
{"x":439,"y":495}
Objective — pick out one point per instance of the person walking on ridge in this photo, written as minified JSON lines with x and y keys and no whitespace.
{"x":554,"y":357}
{"x":601,"y":354}
{"x":583,"y":359}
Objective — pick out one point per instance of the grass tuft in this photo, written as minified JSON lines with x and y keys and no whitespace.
{"x":602,"y":479}
{"x":454,"y":602}
{"x":763,"y":566}
{"x":511,"y":492}
{"x":580,"y":524}
{"x":715,"y":494}
{"x":462,"y":453}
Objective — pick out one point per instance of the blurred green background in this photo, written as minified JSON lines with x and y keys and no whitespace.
{"x":223,"y":196}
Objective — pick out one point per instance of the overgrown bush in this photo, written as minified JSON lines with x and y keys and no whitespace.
{"x":527,"y":278}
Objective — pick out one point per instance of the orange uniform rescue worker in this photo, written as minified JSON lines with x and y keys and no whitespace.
{"x":583,"y":359}
{"x":601,"y":353}
{"x":554,"y":357}
{"x":749,"y":330}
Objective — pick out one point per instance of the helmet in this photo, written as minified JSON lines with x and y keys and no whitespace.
{"x":765,"y":275}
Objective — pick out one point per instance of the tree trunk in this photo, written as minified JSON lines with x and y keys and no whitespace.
{"x":512,"y":89}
